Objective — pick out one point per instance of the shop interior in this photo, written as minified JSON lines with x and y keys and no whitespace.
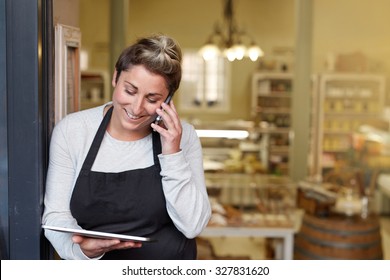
{"x":296,"y":142}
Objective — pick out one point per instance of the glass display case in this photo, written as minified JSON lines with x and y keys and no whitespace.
{"x":345,"y":104}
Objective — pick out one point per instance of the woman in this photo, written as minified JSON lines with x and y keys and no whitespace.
{"x":113,"y":169}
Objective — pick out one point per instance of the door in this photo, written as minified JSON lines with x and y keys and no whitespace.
{"x":25,"y":81}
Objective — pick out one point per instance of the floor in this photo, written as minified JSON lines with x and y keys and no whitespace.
{"x":260,"y":249}
{"x":385,"y":233}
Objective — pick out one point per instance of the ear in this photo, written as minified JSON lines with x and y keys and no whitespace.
{"x":113,"y":82}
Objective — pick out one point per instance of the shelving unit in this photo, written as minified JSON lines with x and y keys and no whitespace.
{"x":344,"y":103}
{"x":95,"y":89}
{"x":271,"y":102}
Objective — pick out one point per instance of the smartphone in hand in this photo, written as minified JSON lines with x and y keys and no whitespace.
{"x":159,"y":118}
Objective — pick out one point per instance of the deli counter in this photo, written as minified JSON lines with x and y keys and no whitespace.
{"x":247,"y":200}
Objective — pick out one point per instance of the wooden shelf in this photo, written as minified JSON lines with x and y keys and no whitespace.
{"x":271,"y":103}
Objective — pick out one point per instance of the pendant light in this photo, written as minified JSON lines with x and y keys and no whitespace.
{"x":228,"y":40}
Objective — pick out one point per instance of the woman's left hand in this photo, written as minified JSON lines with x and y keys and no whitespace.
{"x":95,"y":247}
{"x":171,"y":130}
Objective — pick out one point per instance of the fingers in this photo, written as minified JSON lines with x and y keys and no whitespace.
{"x":170,"y":111}
{"x":169,"y":115}
{"x":171,"y":130}
{"x":94,"y":247}
{"x":77,"y":239}
{"x":170,"y":118}
{"x":126,"y":245}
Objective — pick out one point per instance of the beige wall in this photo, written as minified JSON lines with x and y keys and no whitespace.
{"x":94,"y":23}
{"x":339,"y":27}
{"x":66,"y":12}
{"x":353,"y":26}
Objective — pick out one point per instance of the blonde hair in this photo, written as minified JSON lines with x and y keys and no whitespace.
{"x":159,"y":54}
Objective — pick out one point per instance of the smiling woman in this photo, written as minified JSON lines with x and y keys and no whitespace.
{"x":112,"y":169}
{"x":137,"y":95}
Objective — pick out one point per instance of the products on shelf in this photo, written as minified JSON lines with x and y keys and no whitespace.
{"x":250,"y":200}
{"x":271,"y":102}
{"x":94,"y":89}
{"x":344,"y":103}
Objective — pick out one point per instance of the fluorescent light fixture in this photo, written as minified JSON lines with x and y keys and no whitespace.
{"x":231,"y":134}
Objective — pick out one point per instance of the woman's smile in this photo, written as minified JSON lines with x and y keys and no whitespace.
{"x":131,"y":116}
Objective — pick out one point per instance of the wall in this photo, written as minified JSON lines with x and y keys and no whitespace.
{"x":355,"y":26}
{"x":94,"y":24}
{"x":66,"y":12}
{"x":339,"y":27}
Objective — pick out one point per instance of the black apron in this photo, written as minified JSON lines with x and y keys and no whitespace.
{"x":130,"y":202}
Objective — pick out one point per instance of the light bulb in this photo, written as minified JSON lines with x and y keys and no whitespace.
{"x":230,"y":53}
{"x":239,"y":50}
{"x":209,"y":51}
{"x":254,"y":52}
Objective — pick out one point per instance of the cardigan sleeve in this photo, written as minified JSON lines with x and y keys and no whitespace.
{"x":184,"y":185}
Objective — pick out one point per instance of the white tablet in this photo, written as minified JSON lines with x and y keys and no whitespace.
{"x":99,"y":234}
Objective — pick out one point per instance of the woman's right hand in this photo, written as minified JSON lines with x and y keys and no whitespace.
{"x":95,"y":247}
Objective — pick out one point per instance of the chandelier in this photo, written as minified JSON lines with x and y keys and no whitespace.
{"x":228,"y":40}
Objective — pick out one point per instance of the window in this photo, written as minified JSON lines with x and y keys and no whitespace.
{"x":204,"y":84}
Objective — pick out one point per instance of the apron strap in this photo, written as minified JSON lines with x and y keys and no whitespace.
{"x":156,"y":147}
{"x":93,"y":150}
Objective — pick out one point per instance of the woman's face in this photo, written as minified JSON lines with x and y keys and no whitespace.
{"x":137,"y":95}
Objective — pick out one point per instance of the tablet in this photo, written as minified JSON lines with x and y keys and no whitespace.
{"x":99,"y":234}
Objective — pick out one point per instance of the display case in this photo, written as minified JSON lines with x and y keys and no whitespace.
{"x":271,"y":111}
{"x":251,"y":206}
{"x":229,"y":146}
{"x":246,"y":203}
{"x":344,"y":102}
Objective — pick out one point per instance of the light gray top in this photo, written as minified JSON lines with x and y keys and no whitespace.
{"x":182,"y":175}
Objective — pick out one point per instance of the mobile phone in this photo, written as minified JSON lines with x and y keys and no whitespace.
{"x":159,"y":118}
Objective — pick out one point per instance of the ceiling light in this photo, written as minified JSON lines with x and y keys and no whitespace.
{"x":228,"y":40}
